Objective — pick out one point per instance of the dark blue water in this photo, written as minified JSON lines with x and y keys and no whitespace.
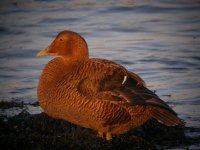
{"x":159,"y":40}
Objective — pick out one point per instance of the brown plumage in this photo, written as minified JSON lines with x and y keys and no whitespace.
{"x":96,"y":93}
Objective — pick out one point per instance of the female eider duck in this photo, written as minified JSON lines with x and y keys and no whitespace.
{"x":96,"y":93}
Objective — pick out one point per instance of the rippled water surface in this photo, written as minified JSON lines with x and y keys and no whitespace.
{"x":159,"y":40}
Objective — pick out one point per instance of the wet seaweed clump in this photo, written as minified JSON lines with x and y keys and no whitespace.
{"x":41,"y":132}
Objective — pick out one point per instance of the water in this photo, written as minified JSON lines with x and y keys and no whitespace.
{"x":159,"y":40}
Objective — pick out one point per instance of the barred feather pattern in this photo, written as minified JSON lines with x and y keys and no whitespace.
{"x":91,"y":94}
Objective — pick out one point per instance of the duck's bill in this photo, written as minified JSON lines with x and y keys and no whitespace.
{"x":44,"y":52}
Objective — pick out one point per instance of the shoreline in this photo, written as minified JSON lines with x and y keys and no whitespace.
{"x":39,"y":131}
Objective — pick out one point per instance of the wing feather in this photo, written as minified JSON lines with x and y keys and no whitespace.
{"x":106,"y":82}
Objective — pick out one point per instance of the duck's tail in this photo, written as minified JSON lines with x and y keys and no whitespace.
{"x":166,"y":117}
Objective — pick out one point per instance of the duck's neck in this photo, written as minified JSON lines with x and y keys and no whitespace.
{"x":73,"y":61}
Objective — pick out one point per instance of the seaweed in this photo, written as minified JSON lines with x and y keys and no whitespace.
{"x":40,"y":132}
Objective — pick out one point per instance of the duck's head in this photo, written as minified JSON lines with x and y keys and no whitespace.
{"x":69,"y":45}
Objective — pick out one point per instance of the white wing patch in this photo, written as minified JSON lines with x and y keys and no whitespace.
{"x":125,"y":78}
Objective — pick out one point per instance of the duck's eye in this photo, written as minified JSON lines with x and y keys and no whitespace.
{"x":61,"y":39}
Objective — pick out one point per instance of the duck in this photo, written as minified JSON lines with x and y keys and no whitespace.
{"x":96,"y":93}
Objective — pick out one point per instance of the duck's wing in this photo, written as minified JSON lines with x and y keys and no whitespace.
{"x":110,"y":81}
